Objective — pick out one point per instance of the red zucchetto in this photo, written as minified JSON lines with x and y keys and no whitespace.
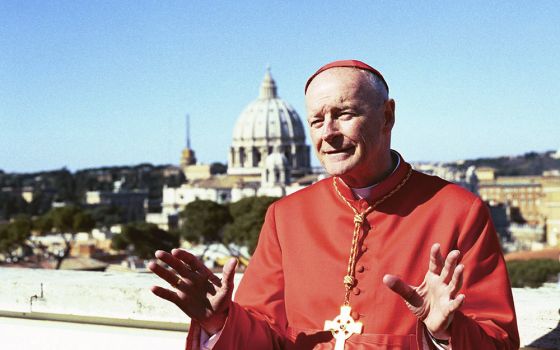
{"x":347,"y":63}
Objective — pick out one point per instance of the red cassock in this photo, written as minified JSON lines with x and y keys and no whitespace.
{"x":295,"y":279}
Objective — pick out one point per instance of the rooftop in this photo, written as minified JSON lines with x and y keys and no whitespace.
{"x":550,"y":253}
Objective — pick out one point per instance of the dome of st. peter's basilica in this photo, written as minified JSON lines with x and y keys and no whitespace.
{"x":268,"y":125}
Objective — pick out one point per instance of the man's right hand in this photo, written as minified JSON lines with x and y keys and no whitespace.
{"x":197,"y":291}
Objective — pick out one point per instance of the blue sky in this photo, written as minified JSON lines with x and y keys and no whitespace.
{"x":96,"y":83}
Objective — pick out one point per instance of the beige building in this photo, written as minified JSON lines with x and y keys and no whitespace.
{"x":536,"y":198}
{"x":550,"y":207}
{"x":485,"y":173}
{"x":522,"y":192}
{"x":197,"y":172}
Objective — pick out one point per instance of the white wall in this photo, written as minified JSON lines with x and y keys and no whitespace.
{"x":99,"y":310}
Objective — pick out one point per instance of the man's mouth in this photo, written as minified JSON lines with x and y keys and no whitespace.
{"x":340,"y":150}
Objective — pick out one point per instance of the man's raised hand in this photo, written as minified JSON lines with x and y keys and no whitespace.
{"x":435,"y":300}
{"x":199,"y":293}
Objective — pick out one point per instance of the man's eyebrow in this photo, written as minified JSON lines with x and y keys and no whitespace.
{"x":321,"y":111}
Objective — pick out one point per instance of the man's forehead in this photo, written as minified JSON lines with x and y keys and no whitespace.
{"x":338,"y":83}
{"x":328,"y":97}
{"x":339,"y":73}
{"x":352,"y":64}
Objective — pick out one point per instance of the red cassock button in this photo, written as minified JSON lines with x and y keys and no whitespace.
{"x":364,"y":248}
{"x":356,"y":291}
{"x":361,"y":268}
{"x":355,"y":315}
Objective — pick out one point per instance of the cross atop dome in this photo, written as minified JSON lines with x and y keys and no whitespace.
{"x":268,"y":86}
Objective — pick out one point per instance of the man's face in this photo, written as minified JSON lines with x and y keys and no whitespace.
{"x":350,"y":126}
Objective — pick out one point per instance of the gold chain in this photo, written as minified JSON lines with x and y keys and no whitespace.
{"x":349,"y":279}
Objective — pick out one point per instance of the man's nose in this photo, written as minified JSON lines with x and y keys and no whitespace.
{"x":330,"y":130}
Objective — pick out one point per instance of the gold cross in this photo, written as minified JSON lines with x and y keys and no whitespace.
{"x":342,"y":327}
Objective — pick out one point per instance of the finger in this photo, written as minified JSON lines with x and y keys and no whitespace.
{"x":397,"y":285}
{"x":456,"y":303}
{"x":195,"y":264}
{"x":179,"y":266}
{"x":166,"y":294}
{"x":450,"y":263}
{"x":456,"y":281}
{"x":436,"y":259}
{"x":229,"y":273}
{"x":169,"y":276}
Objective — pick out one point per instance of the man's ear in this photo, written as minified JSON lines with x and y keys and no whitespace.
{"x":389,"y":114}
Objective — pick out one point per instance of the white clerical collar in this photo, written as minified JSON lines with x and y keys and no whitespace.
{"x":365,"y":192}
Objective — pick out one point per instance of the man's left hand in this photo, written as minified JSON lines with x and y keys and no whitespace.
{"x":435,"y":300}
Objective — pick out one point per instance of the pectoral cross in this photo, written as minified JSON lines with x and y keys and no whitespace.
{"x":343,"y":326}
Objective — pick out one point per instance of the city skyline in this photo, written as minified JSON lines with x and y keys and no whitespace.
{"x":86,"y":86}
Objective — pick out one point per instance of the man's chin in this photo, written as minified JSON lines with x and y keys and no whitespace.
{"x":337,"y":168}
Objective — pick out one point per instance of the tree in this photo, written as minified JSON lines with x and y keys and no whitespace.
{"x":218,"y":168}
{"x":64,"y":183}
{"x":65,"y":220}
{"x":107,"y":216}
{"x":15,"y":234}
{"x":11,"y":204}
{"x":532,"y":273}
{"x":248,"y":217}
{"x":204,"y":221}
{"x":144,"y":239}
{"x":41,"y":203}
{"x":43,"y":224}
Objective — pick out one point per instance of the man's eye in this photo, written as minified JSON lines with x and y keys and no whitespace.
{"x":346,"y":115}
{"x":316,"y":123}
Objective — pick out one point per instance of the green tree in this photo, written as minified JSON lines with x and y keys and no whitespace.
{"x":144,"y":239}
{"x":107,"y":216}
{"x":532,"y":273}
{"x":218,"y":168}
{"x":65,"y":220}
{"x":248,"y":217}
{"x":43,"y":224}
{"x":204,"y":221}
{"x":40,"y":204}
{"x":11,"y":204}
{"x":64,"y":183}
{"x":15,"y":234}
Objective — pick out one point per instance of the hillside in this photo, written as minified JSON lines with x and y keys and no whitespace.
{"x":531,"y":163}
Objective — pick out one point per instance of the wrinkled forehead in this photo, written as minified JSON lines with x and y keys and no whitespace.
{"x":338,"y":84}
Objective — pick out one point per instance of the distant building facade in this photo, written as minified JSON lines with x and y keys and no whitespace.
{"x":525,"y":209}
{"x":132,"y":204}
{"x":534,"y":202}
{"x":522,"y":192}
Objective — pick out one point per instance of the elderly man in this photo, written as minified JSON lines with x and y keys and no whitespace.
{"x":378,"y":256}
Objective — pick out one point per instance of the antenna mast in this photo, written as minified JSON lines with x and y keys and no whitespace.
{"x":188,"y":132}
